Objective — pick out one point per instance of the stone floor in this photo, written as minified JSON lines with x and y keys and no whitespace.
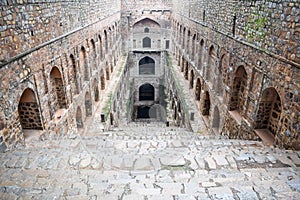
{"x":149,"y":162}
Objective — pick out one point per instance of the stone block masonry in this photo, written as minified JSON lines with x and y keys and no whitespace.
{"x":41,"y":51}
{"x":246,"y":63}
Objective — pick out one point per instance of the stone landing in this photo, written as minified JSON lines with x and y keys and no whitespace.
{"x":148,"y":162}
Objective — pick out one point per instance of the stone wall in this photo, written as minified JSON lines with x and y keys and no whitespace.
{"x":269,"y":58}
{"x":29,"y":115}
{"x":59,"y":47}
{"x":273,"y":26}
{"x":26,"y":25}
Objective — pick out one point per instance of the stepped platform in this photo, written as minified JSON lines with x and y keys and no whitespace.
{"x":148,"y":161}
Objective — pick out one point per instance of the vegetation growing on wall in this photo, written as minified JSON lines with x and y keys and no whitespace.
{"x":256,"y":27}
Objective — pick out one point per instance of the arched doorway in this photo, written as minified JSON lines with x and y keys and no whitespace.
{"x":96,"y":90}
{"x":192,"y":79}
{"x":100,"y":48}
{"x":93,"y":54}
{"x":200,"y":55}
{"x":186,"y":70}
{"x":58,"y":89}
{"x":83,"y":63}
{"x":29,"y":111}
{"x":106,"y":40}
{"x":143,"y":112}
{"x":146,"y":92}
{"x":79,"y":122}
{"x":146,"y":42}
{"x":206,"y":104}
{"x":237,"y":98}
{"x":146,"y":66}
{"x":111,"y":116}
{"x":211,"y":63}
{"x":102,"y":80}
{"x":73,"y":77}
{"x":198,"y":89}
{"x":107,"y":71}
{"x":269,"y":111}
{"x":88,"y":104}
{"x":193,"y":47}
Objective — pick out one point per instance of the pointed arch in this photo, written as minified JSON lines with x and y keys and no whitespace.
{"x":106,"y":40}
{"x":150,"y":23}
{"x":269,"y":111}
{"x":211,"y":63}
{"x":186,"y":70}
{"x":93,"y":55}
{"x":58,"y":89}
{"x":192,"y":79}
{"x":96,"y":90}
{"x":193,"y":47}
{"x":198,"y":89}
{"x":73,"y":77}
{"x":146,"y":92}
{"x":88,"y":104}
{"x":237,"y":96}
{"x":200,"y":55}
{"x":107,"y":71}
{"x":206,"y":104}
{"x":79,"y":121}
{"x":29,"y":111}
{"x":147,"y":66}
{"x":84,"y":63}
{"x":102,"y":79}
{"x":100,"y":48}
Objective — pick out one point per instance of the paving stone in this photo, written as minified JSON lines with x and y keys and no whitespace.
{"x":171,"y":188}
{"x":85,"y":162}
{"x":133,"y":197}
{"x":172,"y":161}
{"x":116,"y":162}
{"x":245,"y":193}
{"x":220,"y":193}
{"x":200,"y":161}
{"x":220,"y":160}
{"x":184,"y":197}
{"x":74,"y":160}
{"x":143,"y":163}
{"x":295,"y":184}
{"x":211,"y":163}
{"x":160,"y":197}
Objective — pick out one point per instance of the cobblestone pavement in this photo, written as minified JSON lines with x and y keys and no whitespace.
{"x":147,"y":162}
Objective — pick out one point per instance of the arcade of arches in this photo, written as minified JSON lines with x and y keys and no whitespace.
{"x":242,"y":86}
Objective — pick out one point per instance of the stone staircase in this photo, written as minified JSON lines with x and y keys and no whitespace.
{"x":148,"y":161}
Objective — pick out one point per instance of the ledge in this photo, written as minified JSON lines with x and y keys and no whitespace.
{"x":266,"y":136}
{"x":236,"y":116}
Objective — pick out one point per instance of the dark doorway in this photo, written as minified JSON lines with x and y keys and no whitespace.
{"x":143,"y":112}
{"x":146,"y":92}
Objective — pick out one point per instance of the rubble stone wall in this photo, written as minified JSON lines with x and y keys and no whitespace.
{"x":60,"y":29}
{"x":260,"y":35}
